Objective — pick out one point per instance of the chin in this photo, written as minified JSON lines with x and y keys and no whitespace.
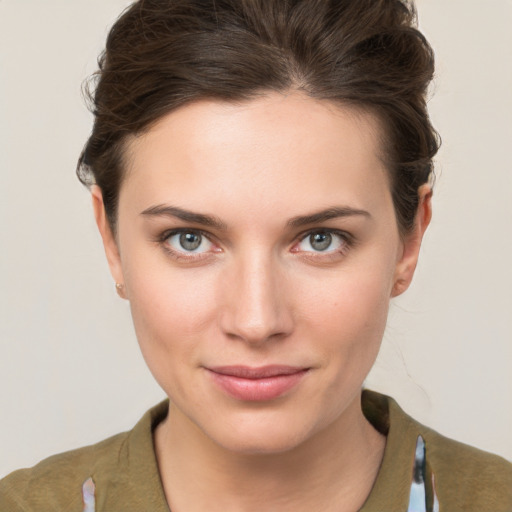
{"x":266,"y":435}
{"x":268,"y":444}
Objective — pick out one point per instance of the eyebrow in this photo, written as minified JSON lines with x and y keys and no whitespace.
{"x":163,"y":210}
{"x":327,"y":214}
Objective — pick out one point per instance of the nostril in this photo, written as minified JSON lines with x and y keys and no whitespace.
{"x":255,"y":336}
{"x":273,"y":328}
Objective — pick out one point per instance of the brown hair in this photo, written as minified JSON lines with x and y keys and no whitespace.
{"x":162,"y":54}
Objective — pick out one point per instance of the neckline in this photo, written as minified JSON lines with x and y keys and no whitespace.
{"x":390,"y":490}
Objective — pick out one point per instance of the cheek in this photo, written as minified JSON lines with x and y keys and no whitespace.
{"x":347,"y":313}
{"x":170,"y":308}
{"x":349,"y":301}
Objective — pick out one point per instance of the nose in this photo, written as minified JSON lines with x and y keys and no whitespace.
{"x":255,"y":303}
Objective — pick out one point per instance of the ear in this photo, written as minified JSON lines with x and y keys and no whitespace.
{"x":411,"y":244}
{"x":109,"y":241}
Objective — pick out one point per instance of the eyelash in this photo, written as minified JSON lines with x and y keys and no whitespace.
{"x":178,"y":255}
{"x":347,"y":241}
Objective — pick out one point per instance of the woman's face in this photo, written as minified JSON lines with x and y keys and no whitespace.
{"x":258,"y":247}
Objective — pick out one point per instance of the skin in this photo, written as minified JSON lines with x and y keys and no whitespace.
{"x":258,"y":292}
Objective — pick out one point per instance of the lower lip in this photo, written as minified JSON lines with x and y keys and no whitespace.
{"x":257,"y":390}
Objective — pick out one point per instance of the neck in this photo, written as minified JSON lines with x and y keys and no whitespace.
{"x":333,"y":470}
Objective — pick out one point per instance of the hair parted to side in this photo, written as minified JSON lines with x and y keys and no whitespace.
{"x":162,"y":54}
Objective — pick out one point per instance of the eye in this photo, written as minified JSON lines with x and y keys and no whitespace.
{"x":188,"y":242}
{"x":322,"y":241}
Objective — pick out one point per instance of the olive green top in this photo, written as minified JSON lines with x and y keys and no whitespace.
{"x":125,"y":475}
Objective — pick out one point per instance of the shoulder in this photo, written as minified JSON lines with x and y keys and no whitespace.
{"x":460,"y":477}
{"x":56,"y":482}
{"x":466,"y":478}
{"x":123,"y":469}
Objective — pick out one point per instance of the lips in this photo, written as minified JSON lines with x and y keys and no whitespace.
{"x":256,"y":384}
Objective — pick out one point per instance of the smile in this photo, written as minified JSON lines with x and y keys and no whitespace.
{"x":256,"y":384}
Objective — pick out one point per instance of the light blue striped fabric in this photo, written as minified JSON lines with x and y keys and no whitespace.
{"x":88,"y":495}
{"x":417,"y":496}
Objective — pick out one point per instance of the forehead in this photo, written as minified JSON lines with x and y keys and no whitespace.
{"x":273,"y":150}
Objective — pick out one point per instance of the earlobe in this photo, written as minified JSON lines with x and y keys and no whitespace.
{"x":109,"y":241}
{"x":408,"y":260}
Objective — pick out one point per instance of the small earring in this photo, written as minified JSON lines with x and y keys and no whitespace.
{"x":120,"y":290}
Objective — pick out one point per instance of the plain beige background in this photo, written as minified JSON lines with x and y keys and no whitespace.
{"x":70,"y":369}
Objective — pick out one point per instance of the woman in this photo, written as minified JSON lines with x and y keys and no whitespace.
{"x":260,"y":179}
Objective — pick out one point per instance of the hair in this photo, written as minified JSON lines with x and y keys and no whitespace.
{"x":163,"y":54}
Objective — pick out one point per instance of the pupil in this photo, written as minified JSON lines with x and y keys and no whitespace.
{"x":320,"y":241}
{"x":190,"y":241}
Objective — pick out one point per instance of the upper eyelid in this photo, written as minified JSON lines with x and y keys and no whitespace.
{"x":339,"y":232}
{"x":176,"y":231}
{"x":177,"y":254}
{"x":297,"y":238}
{"x":348,"y":242}
{"x":164,"y":236}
